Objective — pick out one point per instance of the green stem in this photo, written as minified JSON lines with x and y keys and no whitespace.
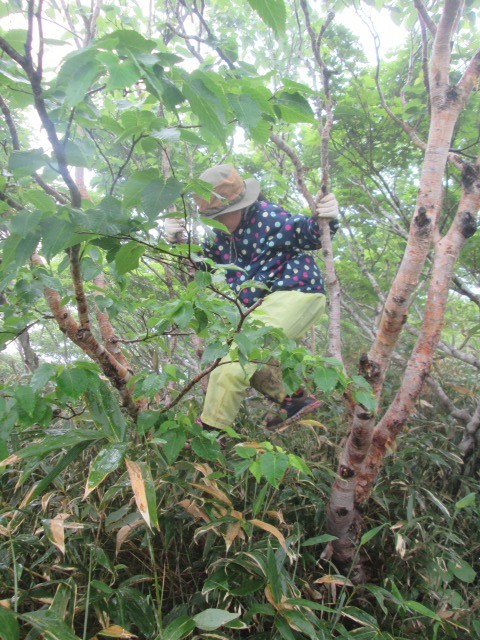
{"x":158,"y":591}
{"x":87,"y":600}
{"x":15,"y":577}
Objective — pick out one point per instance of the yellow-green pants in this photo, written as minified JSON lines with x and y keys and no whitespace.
{"x":292,"y":311}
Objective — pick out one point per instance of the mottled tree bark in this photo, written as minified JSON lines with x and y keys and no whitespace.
{"x":29,"y":356}
{"x":365,"y":447}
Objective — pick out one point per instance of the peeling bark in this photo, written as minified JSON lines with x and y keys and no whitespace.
{"x":366,"y":444}
{"x":110,"y":340}
{"x":118,"y":374}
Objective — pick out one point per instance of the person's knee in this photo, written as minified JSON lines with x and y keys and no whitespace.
{"x":229,"y":376}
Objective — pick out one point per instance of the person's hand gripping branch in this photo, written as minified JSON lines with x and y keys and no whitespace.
{"x":175,"y":230}
{"x":327,"y":207}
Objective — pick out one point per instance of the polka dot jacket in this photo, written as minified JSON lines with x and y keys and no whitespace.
{"x":269,"y":247}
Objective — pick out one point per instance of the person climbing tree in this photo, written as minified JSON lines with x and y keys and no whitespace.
{"x":269,"y":246}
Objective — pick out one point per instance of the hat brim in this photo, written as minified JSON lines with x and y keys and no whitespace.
{"x":252,"y":191}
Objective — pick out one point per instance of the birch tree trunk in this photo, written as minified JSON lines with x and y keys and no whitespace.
{"x":369,"y":437}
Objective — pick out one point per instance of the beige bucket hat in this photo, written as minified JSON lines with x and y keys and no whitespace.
{"x":231,"y":191}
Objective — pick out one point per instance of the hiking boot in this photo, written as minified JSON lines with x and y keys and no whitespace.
{"x":293,"y":407}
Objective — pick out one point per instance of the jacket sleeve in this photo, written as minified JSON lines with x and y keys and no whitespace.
{"x":301,"y":232}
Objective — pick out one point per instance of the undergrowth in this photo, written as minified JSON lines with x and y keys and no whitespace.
{"x":230,"y":540}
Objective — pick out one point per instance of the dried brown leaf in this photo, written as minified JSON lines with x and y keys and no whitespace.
{"x":139,"y":490}
{"x":194,"y":510}
{"x":114,"y":631}
{"x":215,"y":492}
{"x":124,"y":532}
{"x":271,"y":529}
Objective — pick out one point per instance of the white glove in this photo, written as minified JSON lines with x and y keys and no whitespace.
{"x":174,"y":230}
{"x":327,"y":207}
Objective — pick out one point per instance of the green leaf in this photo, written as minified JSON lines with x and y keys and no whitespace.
{"x":272,"y":12}
{"x":245,"y":452}
{"x":107,"y":218}
{"x":77,"y":75}
{"x":179,"y":628}
{"x":422,"y":609}
{"x":128,"y":257}
{"x":159,"y":195}
{"x":255,"y":470}
{"x":364,"y":618}
{"x":172,"y":96}
{"x":122,"y":73}
{"x":108,"y":460}
{"x":74,"y":381}
{"x":214,"y":224}
{"x":192,"y":138}
{"x":273,"y":466}
{"x":75,"y":155}
{"x":261,"y":132}
{"x":326,"y":537}
{"x":17,"y":250}
{"x":359,"y":381}
{"x":293,"y":107}
{"x":370,"y":534}
{"x":299,"y":620}
{"x":63,"y":603}
{"x":246,"y":109}
{"x":438,"y":503}
{"x":212,"y":619}
{"x":56,"y":442}
{"x":16,"y":38}
{"x":207,"y":106}
{"x":325,"y":378}
{"x":259,"y":500}
{"x":24,"y":163}
{"x":67,"y":459}
{"x":146,"y":420}
{"x":309,"y":604}
{"x":57,"y":235}
{"x":24,"y":222}
{"x":41,"y":200}
{"x":466,"y":501}
{"x":206,"y":449}
{"x":214,"y":350}
{"x":273,"y":575}
{"x":298,"y":463}
{"x":42,"y":375}
{"x":105,"y":410}
{"x":462,"y":570}
{"x":365,"y":398}
{"x":134,"y":186}
{"x":183,"y":313}
{"x":26,"y":398}
{"x":9,"y":629}
{"x":49,"y":625}
{"x":129,"y":39}
{"x":175,"y":441}
{"x":283,"y":629}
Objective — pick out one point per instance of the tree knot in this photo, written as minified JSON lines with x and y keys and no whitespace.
{"x":468,"y":224}
{"x":368,"y":368}
{"x":82,"y":332}
{"x":346,"y":472}
{"x":470,"y":177}
{"x":422,"y":220}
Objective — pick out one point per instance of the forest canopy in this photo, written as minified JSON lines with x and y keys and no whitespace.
{"x":120,"y":514}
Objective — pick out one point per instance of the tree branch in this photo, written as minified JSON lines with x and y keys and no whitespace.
{"x":84,"y":339}
{"x":424,"y":17}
